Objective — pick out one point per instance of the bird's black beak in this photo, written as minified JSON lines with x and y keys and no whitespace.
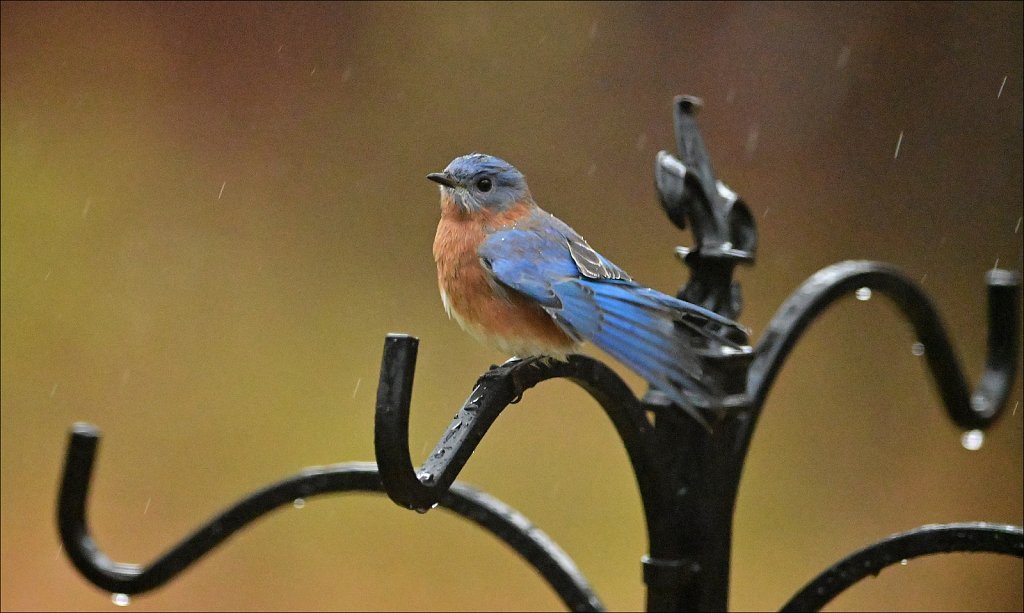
{"x":443,"y":178}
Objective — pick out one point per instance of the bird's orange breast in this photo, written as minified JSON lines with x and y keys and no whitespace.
{"x":495,"y":315}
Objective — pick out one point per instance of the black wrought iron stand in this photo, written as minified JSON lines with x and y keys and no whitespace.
{"x":688,"y":478}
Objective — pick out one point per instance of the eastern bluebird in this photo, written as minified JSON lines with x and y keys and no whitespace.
{"x":519,"y":279}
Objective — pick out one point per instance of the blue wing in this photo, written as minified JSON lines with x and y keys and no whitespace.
{"x":593,"y":299}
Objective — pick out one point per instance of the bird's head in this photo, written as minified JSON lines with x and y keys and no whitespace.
{"x":479,"y":182}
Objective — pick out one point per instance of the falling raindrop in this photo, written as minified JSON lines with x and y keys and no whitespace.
{"x":863,"y":294}
{"x":899,"y":141}
{"x":299,"y":503}
{"x":843,"y":59}
{"x":972,"y":440}
{"x":1001,"y":86}
{"x":121,"y":600}
{"x":752,"y":137}
{"x":917,"y":349}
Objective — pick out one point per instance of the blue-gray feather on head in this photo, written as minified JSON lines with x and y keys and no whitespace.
{"x":478,"y":181}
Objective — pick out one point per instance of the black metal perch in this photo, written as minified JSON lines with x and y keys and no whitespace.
{"x":489,"y":513}
{"x":688,"y":479}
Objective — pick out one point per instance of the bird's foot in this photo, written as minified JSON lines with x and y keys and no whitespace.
{"x":533,"y":361}
{"x":538,"y":361}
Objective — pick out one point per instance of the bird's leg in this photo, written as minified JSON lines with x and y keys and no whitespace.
{"x":544,"y":360}
{"x":512,"y":361}
{"x":531,"y":360}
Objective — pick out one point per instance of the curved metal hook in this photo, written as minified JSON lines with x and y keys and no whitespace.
{"x":831,"y":283}
{"x":494,"y":391}
{"x":944,"y":538}
{"x":486,"y":511}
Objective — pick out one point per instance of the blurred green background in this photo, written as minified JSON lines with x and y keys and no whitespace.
{"x":213,"y":213}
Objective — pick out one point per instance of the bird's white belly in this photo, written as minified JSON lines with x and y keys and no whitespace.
{"x":521,"y":343}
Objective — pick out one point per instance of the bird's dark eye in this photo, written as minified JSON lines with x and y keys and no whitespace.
{"x":484,"y":184}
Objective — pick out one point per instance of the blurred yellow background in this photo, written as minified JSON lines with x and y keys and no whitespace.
{"x":213,"y":213}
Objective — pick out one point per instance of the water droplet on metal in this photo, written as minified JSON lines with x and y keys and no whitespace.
{"x":903,"y":562}
{"x":863,"y":293}
{"x":917,"y":349}
{"x":422,"y":510}
{"x":299,"y":503}
{"x":972,"y":440}
{"x":426,"y":478}
{"x":121,"y":600}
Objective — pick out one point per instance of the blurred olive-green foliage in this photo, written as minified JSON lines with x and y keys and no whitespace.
{"x":213,"y":213}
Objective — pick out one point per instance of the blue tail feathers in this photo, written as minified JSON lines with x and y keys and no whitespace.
{"x":641,"y":328}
